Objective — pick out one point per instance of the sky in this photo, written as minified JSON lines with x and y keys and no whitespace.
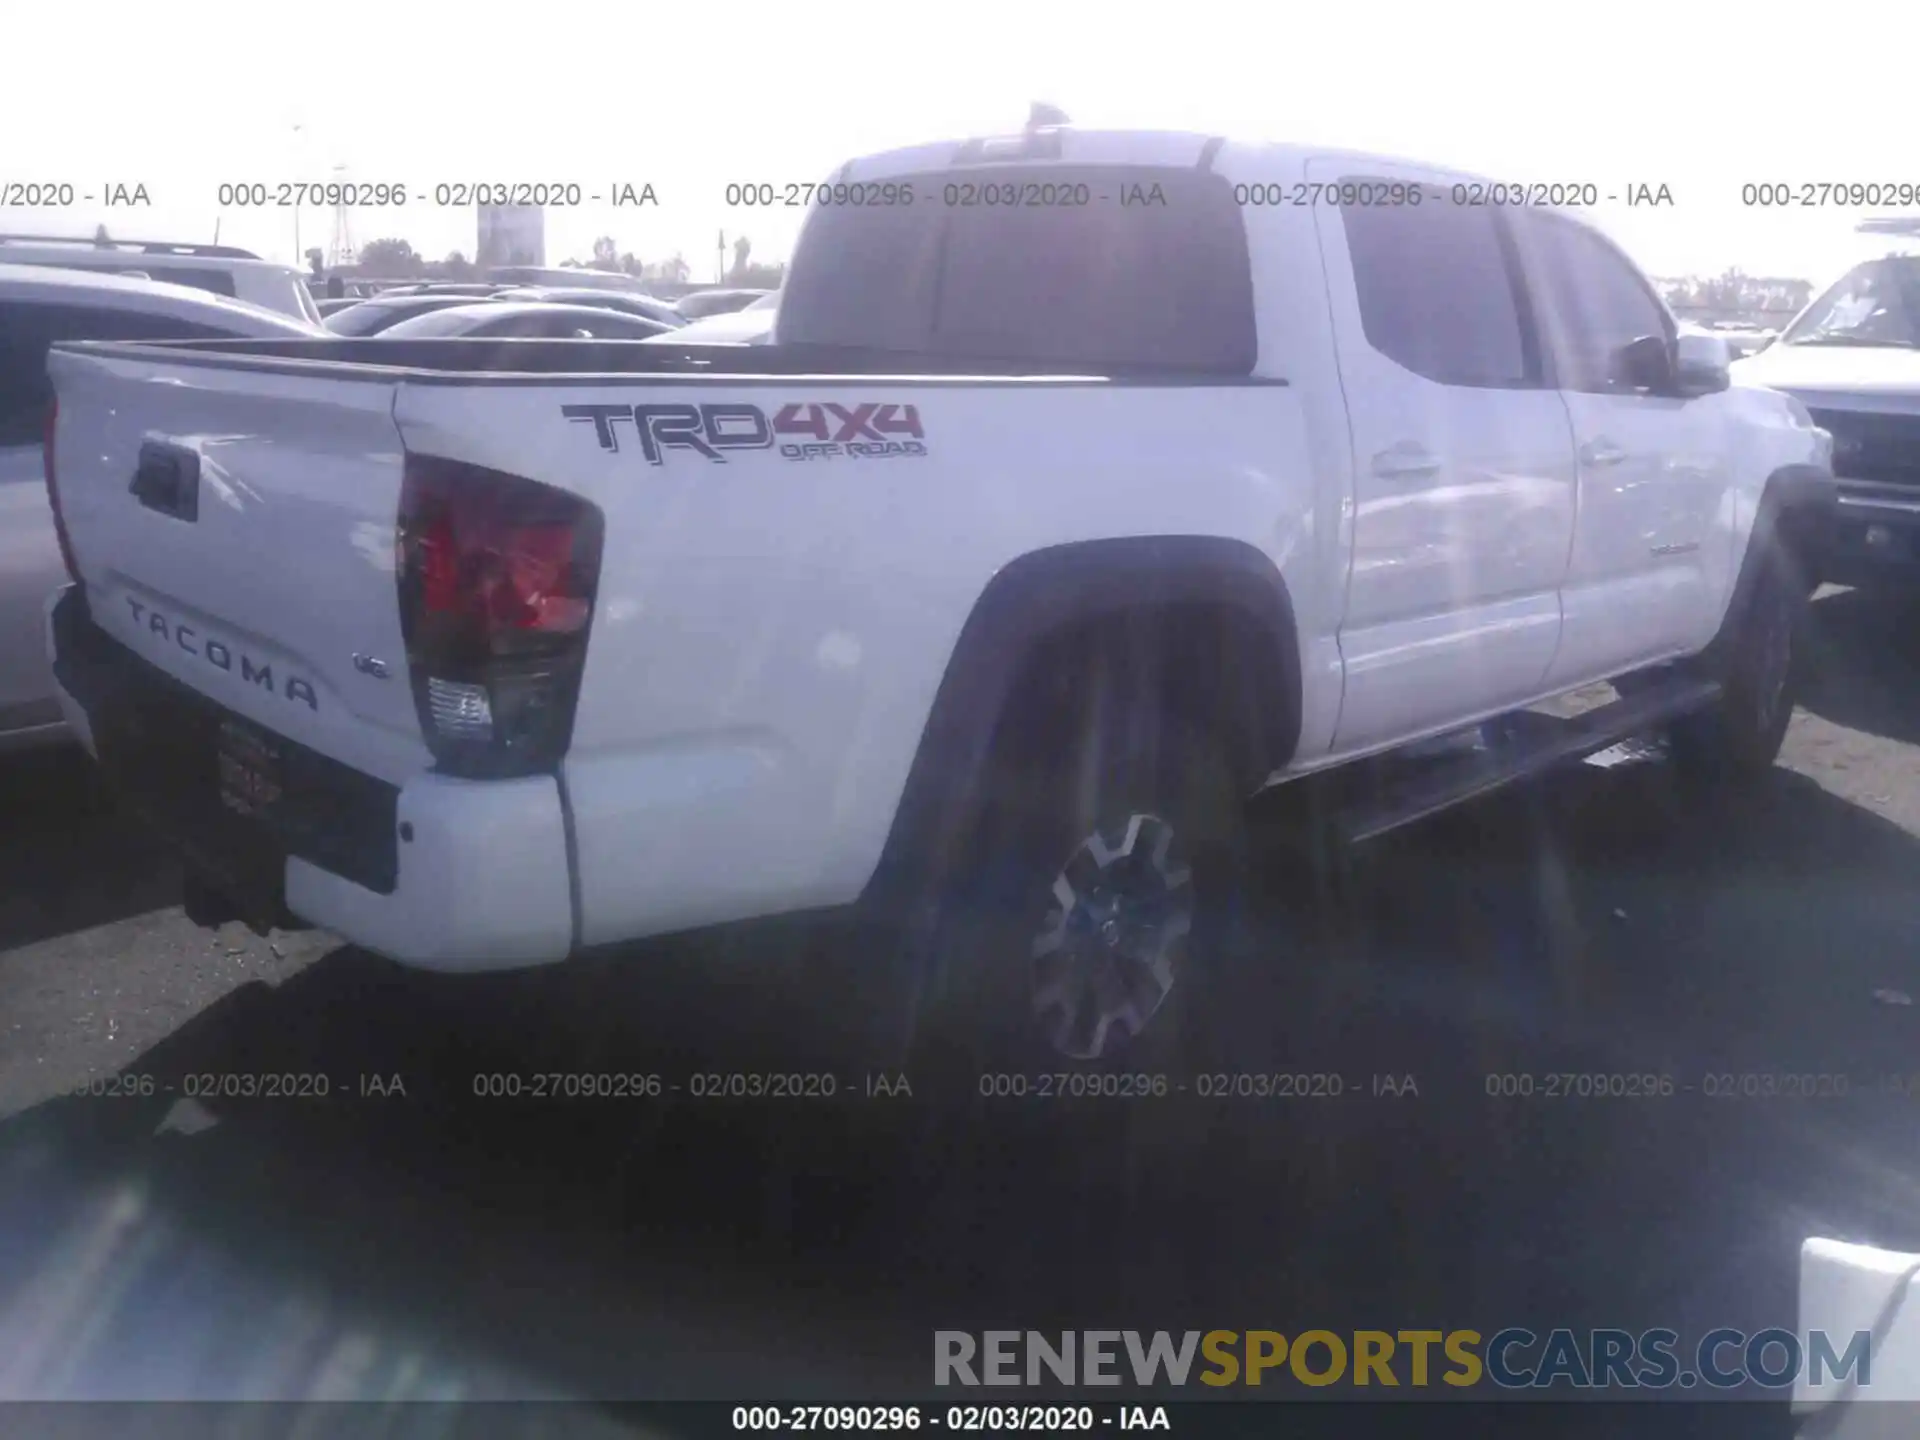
{"x":1702,"y":98}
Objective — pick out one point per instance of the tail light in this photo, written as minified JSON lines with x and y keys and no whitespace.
{"x":497,"y":578}
{"x":53,"y":495}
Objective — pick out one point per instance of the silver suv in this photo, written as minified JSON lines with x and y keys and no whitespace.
{"x":217,"y":269}
{"x":39,"y":305}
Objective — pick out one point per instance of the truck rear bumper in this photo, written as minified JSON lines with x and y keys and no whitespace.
{"x":439,"y":873}
{"x":483,"y":882}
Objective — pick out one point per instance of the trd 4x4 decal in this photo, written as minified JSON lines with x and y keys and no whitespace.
{"x":869,"y":431}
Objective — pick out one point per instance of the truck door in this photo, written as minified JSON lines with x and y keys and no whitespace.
{"x":1647,"y":566}
{"x":1463,"y":458}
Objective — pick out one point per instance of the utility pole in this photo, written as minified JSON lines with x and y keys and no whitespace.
{"x":297,"y":257}
{"x":340,"y":250}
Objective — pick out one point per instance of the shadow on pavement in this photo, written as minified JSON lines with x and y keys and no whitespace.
{"x":673,"y":1245}
{"x":71,"y":860}
{"x":1863,"y":665}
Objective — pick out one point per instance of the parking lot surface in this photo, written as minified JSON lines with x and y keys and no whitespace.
{"x":403,"y":1235}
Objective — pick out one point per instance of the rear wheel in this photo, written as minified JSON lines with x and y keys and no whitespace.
{"x":1086,"y":924}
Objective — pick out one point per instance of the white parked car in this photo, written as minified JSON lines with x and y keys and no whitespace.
{"x":751,"y":325}
{"x":647,"y":307}
{"x":1860,"y":1376}
{"x":984,"y":599}
{"x":39,"y":306}
{"x":527,"y":319}
{"x":217,"y":269}
{"x":701,"y":304}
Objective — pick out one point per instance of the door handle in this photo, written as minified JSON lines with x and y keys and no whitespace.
{"x":167,"y":479}
{"x":1597,"y":454}
{"x":1405,"y":462}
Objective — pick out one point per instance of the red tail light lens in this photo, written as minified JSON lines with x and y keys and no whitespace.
{"x":53,"y":496}
{"x":497,"y":577}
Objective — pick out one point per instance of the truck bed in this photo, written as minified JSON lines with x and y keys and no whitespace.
{"x":773,"y":614}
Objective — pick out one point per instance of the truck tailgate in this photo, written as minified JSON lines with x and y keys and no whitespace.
{"x":235,"y":528}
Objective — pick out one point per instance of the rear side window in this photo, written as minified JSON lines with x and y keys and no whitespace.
{"x":24,"y":392}
{"x":1108,"y":267}
{"x":604,"y":325}
{"x":217,"y":282}
{"x":536,"y":326}
{"x":619,"y":326}
{"x":1437,"y":294}
{"x":364,"y":319}
{"x":26,"y":330}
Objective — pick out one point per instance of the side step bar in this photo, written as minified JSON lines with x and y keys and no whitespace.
{"x":1443,"y":784}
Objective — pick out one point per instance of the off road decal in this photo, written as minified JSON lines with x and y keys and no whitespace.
{"x":871,"y":430}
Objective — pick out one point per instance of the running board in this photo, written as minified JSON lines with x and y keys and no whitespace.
{"x":1440,"y":785}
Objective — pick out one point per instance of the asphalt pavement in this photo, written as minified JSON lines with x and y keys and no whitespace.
{"x":402,"y":1235}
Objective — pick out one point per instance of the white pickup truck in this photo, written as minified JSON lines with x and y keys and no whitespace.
{"x":1095,"y":482}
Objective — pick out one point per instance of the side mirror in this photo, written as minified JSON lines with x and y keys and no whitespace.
{"x":1701,"y":365}
{"x":1645,"y":364}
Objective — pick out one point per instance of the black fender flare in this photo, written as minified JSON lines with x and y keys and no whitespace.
{"x":1044,"y":593}
{"x":1792,"y":526}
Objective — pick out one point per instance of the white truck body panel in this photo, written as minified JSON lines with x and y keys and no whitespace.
{"x":292,"y":553}
{"x":1859,"y":1389}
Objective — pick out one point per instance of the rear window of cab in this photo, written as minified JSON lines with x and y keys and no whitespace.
{"x":1113,"y":267}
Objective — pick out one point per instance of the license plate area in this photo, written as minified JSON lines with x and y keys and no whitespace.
{"x":238,"y":798}
{"x":249,"y":770}
{"x":208,"y":785}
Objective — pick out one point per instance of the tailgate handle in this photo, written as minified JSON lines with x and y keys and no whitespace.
{"x":167,"y":479}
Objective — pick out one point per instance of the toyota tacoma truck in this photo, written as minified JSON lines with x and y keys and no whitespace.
{"x":1094,"y":482}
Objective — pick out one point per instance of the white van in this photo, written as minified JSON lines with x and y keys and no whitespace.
{"x":218,"y":269}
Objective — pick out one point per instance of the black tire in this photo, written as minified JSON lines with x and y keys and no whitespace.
{"x":1085,"y":925}
{"x":1740,"y":738}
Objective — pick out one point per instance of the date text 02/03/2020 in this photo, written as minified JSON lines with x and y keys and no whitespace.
{"x":1711,"y":1085}
{"x":992,"y":1419}
{"x":461,"y":194}
{"x":241,"y":1085}
{"x":1212,"y":1085}
{"x":955,"y":194}
{"x":699,"y":1085}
